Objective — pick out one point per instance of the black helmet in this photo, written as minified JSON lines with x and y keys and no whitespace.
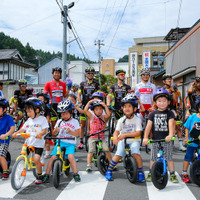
{"x":165,"y":76}
{"x":34,"y":103}
{"x":46,"y":97}
{"x":66,"y":105}
{"x":95,"y":103}
{"x":22,"y":82}
{"x":56,"y":69}
{"x":4,"y":103}
{"x":89,"y":69}
{"x":130,"y":98}
{"x":120,"y":71}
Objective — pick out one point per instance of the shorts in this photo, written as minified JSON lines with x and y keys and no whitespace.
{"x":38,"y":151}
{"x":167,"y":150}
{"x":146,"y":107}
{"x":54,"y":115}
{"x":134,"y":146}
{"x":70,"y":148}
{"x":3,"y":149}
{"x":189,"y":153}
{"x":92,"y":145}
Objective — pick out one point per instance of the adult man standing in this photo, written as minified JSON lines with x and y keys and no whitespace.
{"x":87,"y":88}
{"x":57,"y":92}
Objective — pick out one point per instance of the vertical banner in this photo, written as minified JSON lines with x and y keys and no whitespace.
{"x":147,"y":59}
{"x":133,"y":67}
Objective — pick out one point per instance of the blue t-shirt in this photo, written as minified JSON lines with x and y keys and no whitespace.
{"x":193,"y":124}
{"x":5,"y":123}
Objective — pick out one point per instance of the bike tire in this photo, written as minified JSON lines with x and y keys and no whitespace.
{"x":131,"y":169}
{"x":17,"y":179}
{"x":8,"y":159}
{"x":86,"y":144}
{"x":111,"y":124}
{"x":56,"y":173}
{"x":158,"y":179}
{"x":195,"y":172}
{"x":102,"y":164}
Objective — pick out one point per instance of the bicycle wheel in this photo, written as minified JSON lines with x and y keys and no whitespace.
{"x":195,"y":172}
{"x":111,"y":124}
{"x":158,"y":179}
{"x":56,"y":173}
{"x":102,"y":164}
{"x":17,"y":179}
{"x":68,"y":169}
{"x":8,"y":159}
{"x":131,"y":169}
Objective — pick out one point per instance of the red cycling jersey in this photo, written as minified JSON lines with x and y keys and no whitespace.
{"x":55,"y":91}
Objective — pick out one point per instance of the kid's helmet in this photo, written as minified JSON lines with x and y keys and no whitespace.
{"x":46,"y":97}
{"x":160,"y":93}
{"x":3,"y":103}
{"x":95,"y":103}
{"x":144,"y":71}
{"x":130,"y":98}
{"x":89,"y":69}
{"x":66,"y":105}
{"x":197,"y":78}
{"x":197,"y":104}
{"x":98,"y":95}
{"x":75,"y":85}
{"x":175,"y":86}
{"x":22,"y":82}
{"x":120,"y":71}
{"x":165,"y":76}
{"x":56,"y":69}
{"x":34,"y":103}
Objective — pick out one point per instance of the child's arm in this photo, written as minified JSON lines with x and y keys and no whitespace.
{"x":55,"y":131}
{"x":142,"y":107}
{"x":19,"y":131}
{"x":131,"y":134}
{"x":107,"y":115}
{"x":79,"y":110}
{"x":75,"y":133}
{"x":40,"y":134}
{"x":186,"y":135}
{"x":86,"y":109}
{"x":147,"y":132}
{"x":10,"y":132}
{"x":171,"y":130}
{"x":115,"y":137}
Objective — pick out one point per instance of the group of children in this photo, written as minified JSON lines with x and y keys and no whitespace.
{"x":160,"y":122}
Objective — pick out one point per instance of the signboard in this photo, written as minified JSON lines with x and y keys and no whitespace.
{"x":133,"y":68}
{"x":147,"y":59}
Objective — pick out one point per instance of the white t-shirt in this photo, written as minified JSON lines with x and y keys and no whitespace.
{"x":145,"y":92}
{"x":130,"y":125}
{"x":72,"y":124}
{"x":34,"y":126}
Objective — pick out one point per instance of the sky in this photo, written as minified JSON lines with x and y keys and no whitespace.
{"x":115,"y":22}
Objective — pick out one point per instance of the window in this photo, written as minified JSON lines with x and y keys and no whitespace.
{"x":107,"y":65}
{"x":139,"y":59}
{"x":107,"y":72}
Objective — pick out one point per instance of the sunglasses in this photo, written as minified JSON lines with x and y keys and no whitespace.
{"x":145,"y":74}
{"x":90,"y":73}
{"x":23,"y":85}
{"x":121,"y":74}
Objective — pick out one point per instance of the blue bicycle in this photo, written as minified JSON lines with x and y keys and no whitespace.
{"x":159,"y":173}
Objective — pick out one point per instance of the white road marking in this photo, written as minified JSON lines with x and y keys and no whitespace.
{"x":92,"y":186}
{"x":172,"y":191}
{"x":6,"y":190}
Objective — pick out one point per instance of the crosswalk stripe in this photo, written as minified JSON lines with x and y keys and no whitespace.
{"x":173,"y":191}
{"x":6,"y":190}
{"x":92,"y":186}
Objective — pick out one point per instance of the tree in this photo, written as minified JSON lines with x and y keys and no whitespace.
{"x":123,"y":59}
{"x":110,"y":80}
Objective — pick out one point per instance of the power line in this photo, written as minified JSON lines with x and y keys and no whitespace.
{"x":179,"y":13}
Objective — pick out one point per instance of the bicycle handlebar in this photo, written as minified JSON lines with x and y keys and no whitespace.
{"x":162,"y":140}
{"x":59,"y":138}
{"x":189,"y":142}
{"x":5,"y":138}
{"x":26,"y":135}
{"x":106,"y":129}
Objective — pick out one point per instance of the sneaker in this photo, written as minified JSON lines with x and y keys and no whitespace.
{"x":148,"y":179}
{"x":47,"y":156}
{"x":141,"y":177}
{"x":45,"y":178}
{"x":89,"y":168}
{"x":5,"y":176}
{"x":185,"y":178}
{"x":108,"y":175}
{"x":173,"y":178}
{"x":76,"y":177}
{"x":182,"y":148}
{"x":39,"y":179}
{"x":81,"y":146}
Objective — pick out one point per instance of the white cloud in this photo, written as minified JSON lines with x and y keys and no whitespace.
{"x":39,"y":22}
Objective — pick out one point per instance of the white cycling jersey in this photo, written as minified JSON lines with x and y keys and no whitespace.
{"x":145,"y":92}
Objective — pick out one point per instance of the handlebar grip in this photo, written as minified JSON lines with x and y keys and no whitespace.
{"x":150,"y":141}
{"x":5,"y":138}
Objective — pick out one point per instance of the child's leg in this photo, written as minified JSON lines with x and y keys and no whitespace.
{"x":47,"y":145}
{"x":73,"y":163}
{"x":3,"y":163}
{"x":38,"y":163}
{"x":171,"y":166}
{"x":89,"y":158}
{"x":91,"y":149}
{"x":138,"y":160}
{"x":49,"y":165}
{"x":108,"y":155}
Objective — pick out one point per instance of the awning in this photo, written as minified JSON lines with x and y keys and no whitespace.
{"x":159,"y":73}
{"x":183,"y":72}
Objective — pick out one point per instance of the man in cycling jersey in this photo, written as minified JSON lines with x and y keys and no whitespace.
{"x":87,"y":88}
{"x":167,"y":80}
{"x":145,"y":91}
{"x":194,"y":93}
{"x":57,"y":92}
{"x":19,"y":97}
{"x":119,"y":90}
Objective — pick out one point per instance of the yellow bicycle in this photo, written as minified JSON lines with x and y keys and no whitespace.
{"x":22,"y":163}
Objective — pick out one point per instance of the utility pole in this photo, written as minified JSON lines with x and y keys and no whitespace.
{"x":99,"y":43}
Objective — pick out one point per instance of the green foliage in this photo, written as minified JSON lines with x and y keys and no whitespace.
{"x":30,"y":54}
{"x":123,"y":59}
{"x":107,"y":81}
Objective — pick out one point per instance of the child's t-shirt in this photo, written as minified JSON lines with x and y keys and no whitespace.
{"x":193,"y":124}
{"x":129,"y":126}
{"x":35,"y":126}
{"x":5,"y":124}
{"x":72,"y":124}
{"x":160,"y":126}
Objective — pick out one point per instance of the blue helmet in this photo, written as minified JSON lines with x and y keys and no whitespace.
{"x":34,"y":103}
{"x":4,"y":103}
{"x":95,"y":103}
{"x":64,"y":106}
{"x":46,"y":97}
{"x":160,"y":93}
{"x":98,"y":94}
{"x":130,"y":98}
